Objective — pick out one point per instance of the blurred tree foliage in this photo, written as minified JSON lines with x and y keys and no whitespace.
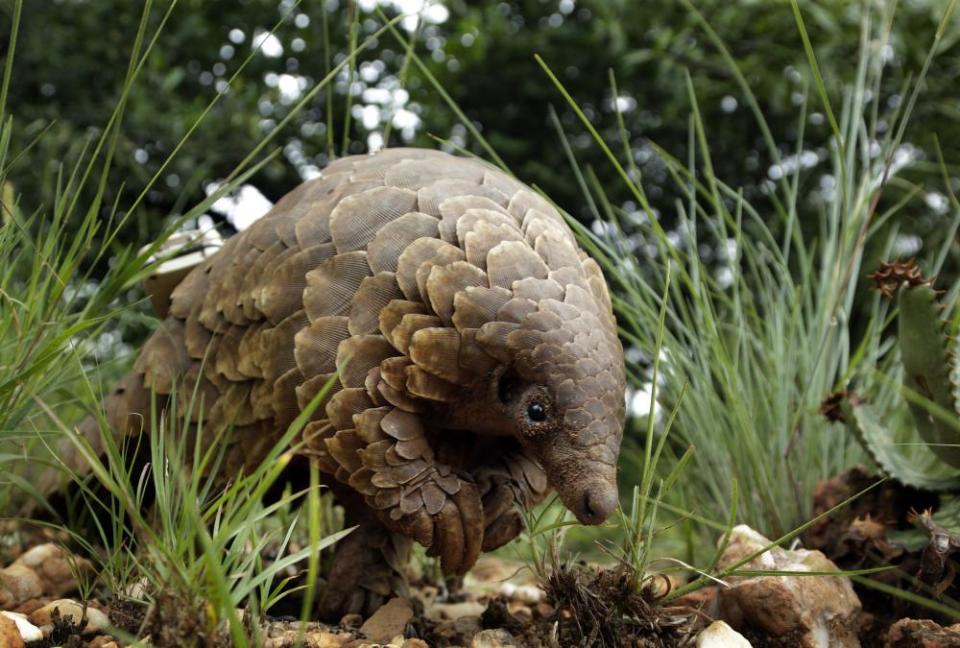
{"x":73,"y":55}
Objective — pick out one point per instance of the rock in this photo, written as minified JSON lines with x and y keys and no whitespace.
{"x":18,"y":583}
{"x":351,"y":620}
{"x":719,"y":635}
{"x":819,"y":612}
{"x":28,"y":631}
{"x":291,"y":638}
{"x":443,"y":611}
{"x":9,"y":634}
{"x":27,"y":607}
{"x":137,"y":590}
{"x":96,"y":621}
{"x":330,"y":640}
{"x":528,"y":594}
{"x":543,"y":611}
{"x":492,"y":639}
{"x":521,"y":611}
{"x":456,"y":632}
{"x":56,"y":568}
{"x":922,"y":633}
{"x":389,"y":621}
{"x":102,"y":641}
{"x":415,"y":643}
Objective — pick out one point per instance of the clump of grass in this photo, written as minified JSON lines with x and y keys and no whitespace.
{"x":758,"y":339}
{"x":198,"y":542}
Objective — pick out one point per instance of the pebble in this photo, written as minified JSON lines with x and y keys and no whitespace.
{"x":492,"y":639}
{"x":352,"y":620}
{"x":309,"y":640}
{"x":56,"y":568}
{"x":28,"y":631}
{"x":389,"y":621}
{"x":528,"y":594}
{"x":18,"y":583}
{"x":97,"y":621}
{"x":719,"y":635}
{"x":543,"y":611}
{"x":102,"y":641}
{"x":444,"y":611}
{"x":922,"y":633}
{"x":415,"y":643}
{"x":9,"y":634}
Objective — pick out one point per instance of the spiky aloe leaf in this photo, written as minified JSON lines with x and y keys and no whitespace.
{"x":927,"y":368}
{"x":896,"y":448}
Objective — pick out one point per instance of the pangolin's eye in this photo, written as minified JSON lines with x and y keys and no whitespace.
{"x":536,"y":412}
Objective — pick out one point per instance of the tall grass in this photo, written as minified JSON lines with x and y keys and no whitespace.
{"x":757,"y":340}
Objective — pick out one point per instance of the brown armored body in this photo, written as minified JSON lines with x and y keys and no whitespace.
{"x":474,"y":343}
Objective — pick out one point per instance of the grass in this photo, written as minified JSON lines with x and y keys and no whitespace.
{"x":759,"y":338}
{"x":737,"y":352}
{"x":753,"y":343}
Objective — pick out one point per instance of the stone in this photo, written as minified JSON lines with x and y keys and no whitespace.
{"x":415,"y":643}
{"x":28,"y":631}
{"x":529,"y":594}
{"x":330,"y":640}
{"x":543,"y":610}
{"x":389,"y":621}
{"x":816,"y":612}
{"x":56,"y":568}
{"x":720,"y":635}
{"x":27,"y":607}
{"x":102,"y":641}
{"x":310,"y":639}
{"x":96,"y":621}
{"x":352,"y":620}
{"x":9,"y":634}
{"x":444,"y":611}
{"x":18,"y":583}
{"x":922,"y":633}
{"x":457,"y":631}
{"x":492,"y":639}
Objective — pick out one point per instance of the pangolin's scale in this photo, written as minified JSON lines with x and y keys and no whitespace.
{"x":406,"y":271}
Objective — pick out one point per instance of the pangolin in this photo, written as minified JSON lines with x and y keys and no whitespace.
{"x":471,"y":342}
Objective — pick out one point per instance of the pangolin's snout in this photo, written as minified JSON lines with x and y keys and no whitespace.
{"x":595,"y":503}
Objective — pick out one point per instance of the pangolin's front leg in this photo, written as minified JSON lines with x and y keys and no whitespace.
{"x":388,"y":459}
{"x":368,"y":565}
{"x":509,"y":484}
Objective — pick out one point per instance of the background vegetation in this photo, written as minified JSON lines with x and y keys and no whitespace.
{"x":768,"y":153}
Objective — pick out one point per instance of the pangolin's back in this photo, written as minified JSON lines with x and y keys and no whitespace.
{"x":336,"y":277}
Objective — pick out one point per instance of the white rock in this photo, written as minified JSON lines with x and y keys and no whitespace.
{"x":97,"y":621}
{"x":822,"y":612}
{"x":719,"y":635}
{"x":528,"y":594}
{"x":28,"y":631}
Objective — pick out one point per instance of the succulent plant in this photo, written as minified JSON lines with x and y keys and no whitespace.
{"x":919,"y":444}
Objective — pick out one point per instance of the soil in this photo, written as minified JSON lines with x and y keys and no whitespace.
{"x":578,"y":605}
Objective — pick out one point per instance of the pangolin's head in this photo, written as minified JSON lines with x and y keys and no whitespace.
{"x":560,"y":391}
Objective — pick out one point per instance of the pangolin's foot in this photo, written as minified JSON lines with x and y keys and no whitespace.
{"x":368,"y":569}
